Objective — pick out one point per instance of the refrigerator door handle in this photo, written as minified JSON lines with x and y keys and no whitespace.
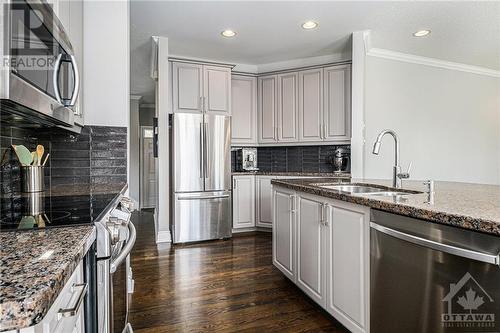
{"x":205,"y":197}
{"x":202,"y":155}
{"x":205,"y":149}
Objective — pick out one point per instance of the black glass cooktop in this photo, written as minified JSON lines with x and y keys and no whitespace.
{"x":29,"y":211}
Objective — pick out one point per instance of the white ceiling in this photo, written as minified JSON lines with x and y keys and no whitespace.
{"x":465,"y":32}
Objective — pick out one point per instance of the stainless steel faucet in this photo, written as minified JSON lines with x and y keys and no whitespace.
{"x":397,"y":175}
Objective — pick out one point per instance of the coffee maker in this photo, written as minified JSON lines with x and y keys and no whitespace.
{"x":246,"y":159}
{"x":340,"y":160}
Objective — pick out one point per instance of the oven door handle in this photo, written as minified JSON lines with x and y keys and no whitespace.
{"x":126,"y":249}
{"x":450,"y":249}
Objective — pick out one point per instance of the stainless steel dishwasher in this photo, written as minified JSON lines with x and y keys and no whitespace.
{"x":428,"y":277}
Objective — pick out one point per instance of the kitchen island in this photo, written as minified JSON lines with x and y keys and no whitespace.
{"x":367,"y":253}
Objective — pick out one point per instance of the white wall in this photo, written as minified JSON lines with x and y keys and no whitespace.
{"x":448,"y":121}
{"x":106,"y":63}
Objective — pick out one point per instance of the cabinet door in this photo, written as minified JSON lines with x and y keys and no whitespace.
{"x":347,"y":264}
{"x":187,"y":85}
{"x":264,"y":201}
{"x":76,"y":35}
{"x":217,"y":89}
{"x":288,"y":107}
{"x":310,"y":248}
{"x":337,"y":103}
{"x":283,"y":231}
{"x":311,"y":105}
{"x":243,"y":201}
{"x":243,"y":109}
{"x":268,"y":105}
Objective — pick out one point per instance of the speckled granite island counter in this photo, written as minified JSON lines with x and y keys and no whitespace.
{"x":34,"y":267}
{"x":469,"y":206}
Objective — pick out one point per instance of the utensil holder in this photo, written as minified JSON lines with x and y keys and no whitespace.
{"x":32,"y":178}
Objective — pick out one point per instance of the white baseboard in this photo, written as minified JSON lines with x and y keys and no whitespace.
{"x":163,"y":237}
{"x":263,"y":229}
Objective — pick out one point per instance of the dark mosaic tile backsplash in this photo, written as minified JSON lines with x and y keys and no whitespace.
{"x":93,"y":161}
{"x":296,"y":158}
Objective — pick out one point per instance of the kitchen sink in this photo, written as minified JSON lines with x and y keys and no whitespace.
{"x":367,"y":190}
{"x":352,"y":188}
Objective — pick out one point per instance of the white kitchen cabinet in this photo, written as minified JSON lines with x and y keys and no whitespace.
{"x":337,"y":103}
{"x":198,"y":88}
{"x":243,"y":201}
{"x":330,"y":252}
{"x":288,"y":107}
{"x":311,"y":247}
{"x":264,"y":201}
{"x":311,"y":105}
{"x":284,"y":225}
{"x":347,"y":256}
{"x":243,"y":110}
{"x":217,"y":89}
{"x":267,"y":108}
{"x":53,"y":322}
{"x":187,"y":85}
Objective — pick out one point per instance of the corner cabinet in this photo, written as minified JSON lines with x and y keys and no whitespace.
{"x":337,"y":103}
{"x":199,"y":88}
{"x":243,"y":110}
{"x":322,"y":245}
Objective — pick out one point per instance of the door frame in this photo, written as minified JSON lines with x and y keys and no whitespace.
{"x":141,"y":165}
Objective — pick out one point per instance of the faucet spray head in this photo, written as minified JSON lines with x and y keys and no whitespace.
{"x":376,"y":147}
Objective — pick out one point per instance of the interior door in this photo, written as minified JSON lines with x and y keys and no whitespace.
{"x":149,"y":191}
{"x":188,"y":152}
{"x":217,"y":152}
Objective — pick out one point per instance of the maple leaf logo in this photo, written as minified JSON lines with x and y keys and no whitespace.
{"x":470,"y":301}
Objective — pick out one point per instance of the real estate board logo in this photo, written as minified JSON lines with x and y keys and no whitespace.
{"x":467,"y":303}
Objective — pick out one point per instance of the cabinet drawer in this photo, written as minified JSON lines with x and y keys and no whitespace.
{"x":57,"y":320}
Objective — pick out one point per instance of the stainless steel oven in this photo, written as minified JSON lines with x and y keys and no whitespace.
{"x":428,"y":277}
{"x":38,"y":73}
{"x":114,"y":274}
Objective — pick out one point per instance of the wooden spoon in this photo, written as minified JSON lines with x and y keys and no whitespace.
{"x":39,"y":151}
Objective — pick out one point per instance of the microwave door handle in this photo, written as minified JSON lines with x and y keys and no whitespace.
{"x":76,"y":88}
{"x":55,"y":78}
{"x":126,"y":249}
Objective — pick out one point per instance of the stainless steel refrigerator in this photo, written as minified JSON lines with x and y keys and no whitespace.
{"x":200,"y":177}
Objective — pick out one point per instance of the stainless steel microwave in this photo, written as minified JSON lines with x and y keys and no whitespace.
{"x":39,"y":76}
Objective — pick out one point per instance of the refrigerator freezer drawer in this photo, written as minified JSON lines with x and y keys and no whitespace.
{"x":202,"y":216}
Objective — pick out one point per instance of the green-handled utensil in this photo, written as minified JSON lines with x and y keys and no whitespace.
{"x":23,"y":154}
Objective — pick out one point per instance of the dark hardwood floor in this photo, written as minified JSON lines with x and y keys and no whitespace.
{"x":221,"y":286}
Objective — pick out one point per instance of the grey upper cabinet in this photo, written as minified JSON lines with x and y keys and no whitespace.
{"x":311,"y":105}
{"x":187,"y":85}
{"x":243,"y":110}
{"x":267,"y":108}
{"x":198,"y":88}
{"x":288,"y":107}
{"x":217,"y":89}
{"x":337,"y":103}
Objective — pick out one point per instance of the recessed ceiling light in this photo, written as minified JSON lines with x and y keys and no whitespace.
{"x":421,"y":33}
{"x":228,"y":33}
{"x":309,"y":25}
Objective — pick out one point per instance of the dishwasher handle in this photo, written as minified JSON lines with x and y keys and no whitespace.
{"x":450,"y":249}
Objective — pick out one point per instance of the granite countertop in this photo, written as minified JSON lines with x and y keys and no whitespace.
{"x":469,"y":206}
{"x":30,"y":283}
{"x":294,"y":174}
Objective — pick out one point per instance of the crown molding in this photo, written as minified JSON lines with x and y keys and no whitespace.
{"x":433,"y":62}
